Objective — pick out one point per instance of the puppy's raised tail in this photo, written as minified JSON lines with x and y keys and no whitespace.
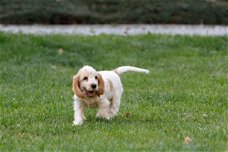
{"x":124,"y":69}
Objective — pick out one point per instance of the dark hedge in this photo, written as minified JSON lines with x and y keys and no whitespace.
{"x":113,"y":11}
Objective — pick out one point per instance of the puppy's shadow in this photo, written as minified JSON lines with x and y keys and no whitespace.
{"x":121,"y":119}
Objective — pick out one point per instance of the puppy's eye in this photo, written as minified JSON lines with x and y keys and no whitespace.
{"x":85,"y":78}
{"x":96,"y":77}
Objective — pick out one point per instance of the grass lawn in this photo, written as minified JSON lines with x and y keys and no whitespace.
{"x":180,"y":106}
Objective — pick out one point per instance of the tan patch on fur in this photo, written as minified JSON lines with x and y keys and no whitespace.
{"x":111,"y":85}
{"x":75,"y":87}
{"x":100,"y":85}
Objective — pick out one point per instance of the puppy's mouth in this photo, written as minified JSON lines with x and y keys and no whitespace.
{"x":91,"y":93}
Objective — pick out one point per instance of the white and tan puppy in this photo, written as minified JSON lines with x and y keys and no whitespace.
{"x":101,"y":89}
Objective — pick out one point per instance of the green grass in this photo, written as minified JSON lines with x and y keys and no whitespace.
{"x":185,"y":94}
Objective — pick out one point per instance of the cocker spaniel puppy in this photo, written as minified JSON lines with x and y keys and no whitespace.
{"x":101,"y":89}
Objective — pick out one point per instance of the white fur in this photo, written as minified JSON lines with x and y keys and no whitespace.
{"x":108,"y":103}
{"x":124,"y":69}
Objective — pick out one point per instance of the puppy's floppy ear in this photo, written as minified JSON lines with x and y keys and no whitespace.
{"x":75,"y":86}
{"x":100,"y":85}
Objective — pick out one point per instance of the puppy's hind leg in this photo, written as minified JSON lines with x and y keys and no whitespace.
{"x":103,"y":109}
{"x":114,"y":106}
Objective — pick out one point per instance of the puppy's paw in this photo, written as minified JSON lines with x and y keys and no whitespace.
{"x":103,"y":116}
{"x":113,"y":112}
{"x":77,"y":123}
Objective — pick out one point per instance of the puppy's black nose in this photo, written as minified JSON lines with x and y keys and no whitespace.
{"x":93,"y":86}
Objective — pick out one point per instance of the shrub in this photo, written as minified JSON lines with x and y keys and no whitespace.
{"x":113,"y":11}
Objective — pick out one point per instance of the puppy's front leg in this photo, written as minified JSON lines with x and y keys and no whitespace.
{"x":103,"y":109}
{"x":78,"y":113}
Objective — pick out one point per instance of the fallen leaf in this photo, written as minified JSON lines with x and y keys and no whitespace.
{"x":187,"y":140}
{"x":60,"y":51}
{"x":20,"y":134}
{"x":53,"y":67}
{"x":127,"y":114}
{"x":205,"y":115}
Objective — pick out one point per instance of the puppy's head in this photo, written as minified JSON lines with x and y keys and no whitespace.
{"x":88,"y":83}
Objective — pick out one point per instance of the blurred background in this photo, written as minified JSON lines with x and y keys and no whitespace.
{"x":210,"y":12}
